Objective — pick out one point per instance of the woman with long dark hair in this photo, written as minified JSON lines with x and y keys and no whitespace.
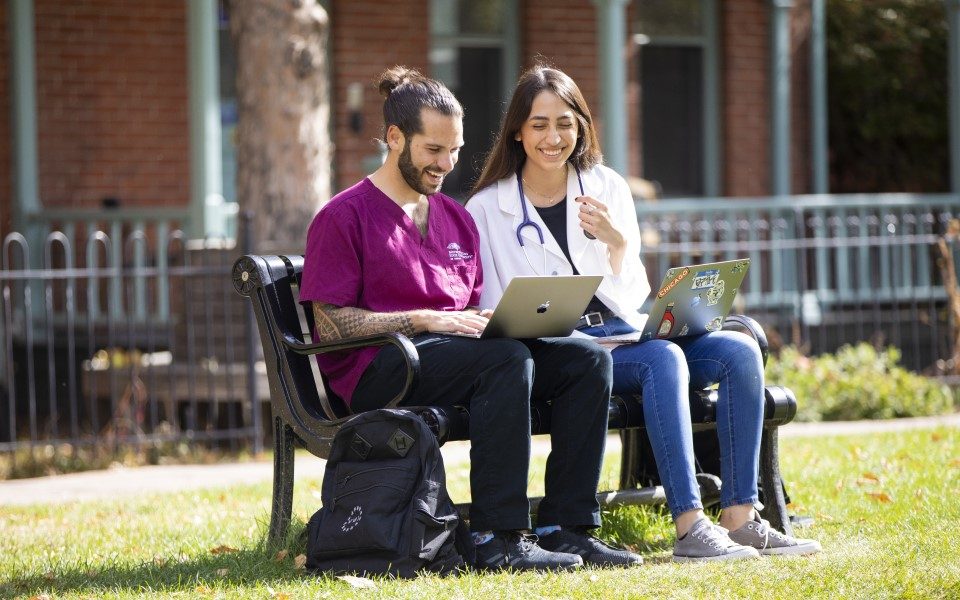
{"x":545,"y":205}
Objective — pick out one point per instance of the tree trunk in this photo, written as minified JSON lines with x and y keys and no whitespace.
{"x":283,"y":141}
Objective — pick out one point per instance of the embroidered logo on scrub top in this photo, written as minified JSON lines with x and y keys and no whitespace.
{"x":456,"y":253}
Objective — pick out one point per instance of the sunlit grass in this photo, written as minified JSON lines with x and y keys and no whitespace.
{"x":885,"y":509}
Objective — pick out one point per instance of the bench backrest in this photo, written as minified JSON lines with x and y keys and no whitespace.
{"x":272,"y":284}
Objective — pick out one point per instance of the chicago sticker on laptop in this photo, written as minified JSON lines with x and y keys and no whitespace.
{"x":673,"y":282}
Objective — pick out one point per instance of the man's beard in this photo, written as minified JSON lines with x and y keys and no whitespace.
{"x":412,"y":175}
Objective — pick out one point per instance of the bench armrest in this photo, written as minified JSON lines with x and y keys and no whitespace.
{"x":409,"y":352}
{"x":749,"y":326}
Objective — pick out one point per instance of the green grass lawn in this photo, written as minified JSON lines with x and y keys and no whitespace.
{"x":886,"y":509}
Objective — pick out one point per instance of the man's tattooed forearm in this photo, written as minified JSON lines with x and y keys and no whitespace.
{"x":327,"y":330}
{"x":356,"y":322}
{"x":336,"y":323}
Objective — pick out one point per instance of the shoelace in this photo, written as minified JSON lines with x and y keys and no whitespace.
{"x":764,"y":529}
{"x":761,"y":530}
{"x":524,"y":540}
{"x":714,"y":536}
{"x":593,"y":539}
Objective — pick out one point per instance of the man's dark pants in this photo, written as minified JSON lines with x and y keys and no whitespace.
{"x":496,"y":379}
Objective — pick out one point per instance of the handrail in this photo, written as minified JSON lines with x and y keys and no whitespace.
{"x":680,"y":206}
{"x":148,"y":213}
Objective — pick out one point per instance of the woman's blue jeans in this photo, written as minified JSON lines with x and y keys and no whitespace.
{"x":663,"y":372}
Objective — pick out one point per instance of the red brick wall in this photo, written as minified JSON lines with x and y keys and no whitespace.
{"x":368,"y":36}
{"x":745,"y":95}
{"x":563,"y":33}
{"x":801,"y":177}
{"x":112,"y":102}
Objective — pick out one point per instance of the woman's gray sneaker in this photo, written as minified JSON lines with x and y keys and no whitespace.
{"x":758,"y":534}
{"x":706,"y":542}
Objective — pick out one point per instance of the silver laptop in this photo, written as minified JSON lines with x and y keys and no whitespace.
{"x":533,"y":307}
{"x":694,"y":300}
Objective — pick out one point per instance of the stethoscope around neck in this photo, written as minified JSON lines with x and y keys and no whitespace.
{"x":527,"y":222}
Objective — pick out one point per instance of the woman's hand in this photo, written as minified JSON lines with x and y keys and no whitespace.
{"x":595,"y":220}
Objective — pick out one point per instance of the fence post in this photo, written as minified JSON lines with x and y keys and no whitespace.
{"x":246,"y":233}
{"x":799,"y":270}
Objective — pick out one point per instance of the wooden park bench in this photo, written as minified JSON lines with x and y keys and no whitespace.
{"x":304,"y":416}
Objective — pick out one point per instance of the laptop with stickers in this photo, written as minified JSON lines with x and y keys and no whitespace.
{"x":533,"y":307}
{"x":694,"y":300}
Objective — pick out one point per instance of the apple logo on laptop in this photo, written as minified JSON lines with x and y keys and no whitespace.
{"x":543,"y":307}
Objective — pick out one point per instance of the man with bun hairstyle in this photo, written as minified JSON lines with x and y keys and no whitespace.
{"x":393,"y":254}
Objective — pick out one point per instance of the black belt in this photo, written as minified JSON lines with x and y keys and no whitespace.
{"x":594,"y":319}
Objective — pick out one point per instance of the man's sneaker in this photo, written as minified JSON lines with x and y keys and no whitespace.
{"x":518,"y":551}
{"x":706,"y":542}
{"x":758,"y":534}
{"x":592,"y":550}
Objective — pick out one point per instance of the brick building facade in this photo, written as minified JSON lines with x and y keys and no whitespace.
{"x":112,"y":94}
{"x":111,"y":102}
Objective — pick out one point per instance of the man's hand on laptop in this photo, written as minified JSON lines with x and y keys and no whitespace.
{"x":440,"y":321}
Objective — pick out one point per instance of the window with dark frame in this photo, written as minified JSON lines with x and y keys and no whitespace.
{"x":673,"y":44}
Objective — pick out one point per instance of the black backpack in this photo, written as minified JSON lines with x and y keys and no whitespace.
{"x":385,"y":504}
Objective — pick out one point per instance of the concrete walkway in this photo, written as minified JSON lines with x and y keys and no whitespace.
{"x":125,"y":482}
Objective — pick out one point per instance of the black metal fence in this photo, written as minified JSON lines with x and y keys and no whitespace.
{"x":828,"y":270}
{"x":126,"y":334}
{"x":130,"y":341}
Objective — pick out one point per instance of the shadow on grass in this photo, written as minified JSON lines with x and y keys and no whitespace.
{"x":239,"y":568}
{"x":220,"y":568}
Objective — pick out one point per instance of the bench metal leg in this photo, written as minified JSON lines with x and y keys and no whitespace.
{"x":774,"y":503}
{"x":283,"y":444}
{"x":629,"y":457}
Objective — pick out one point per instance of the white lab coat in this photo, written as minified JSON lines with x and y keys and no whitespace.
{"x":497,"y":212}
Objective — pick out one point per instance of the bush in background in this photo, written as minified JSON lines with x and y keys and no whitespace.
{"x":857,"y":382}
